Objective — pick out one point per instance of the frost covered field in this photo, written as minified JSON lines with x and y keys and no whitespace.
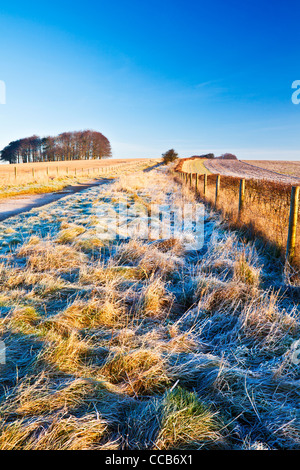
{"x":136,"y":343}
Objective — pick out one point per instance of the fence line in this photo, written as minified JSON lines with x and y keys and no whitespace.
{"x":16,"y":175}
{"x":265,"y":208}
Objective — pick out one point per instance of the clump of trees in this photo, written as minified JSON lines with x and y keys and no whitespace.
{"x":228,"y":156}
{"x":169,"y":156}
{"x":206,"y":155}
{"x":76,"y":145}
{"x":225,"y":156}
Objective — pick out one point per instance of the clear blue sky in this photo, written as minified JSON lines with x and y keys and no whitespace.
{"x":196,"y":76}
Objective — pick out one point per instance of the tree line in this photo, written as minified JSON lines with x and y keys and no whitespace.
{"x":76,"y":145}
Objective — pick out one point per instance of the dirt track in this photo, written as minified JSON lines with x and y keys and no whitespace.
{"x":245,"y":170}
{"x":16,"y":205}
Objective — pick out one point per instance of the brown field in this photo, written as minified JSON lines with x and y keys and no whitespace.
{"x":37,"y":178}
{"x":248,"y":171}
{"x":193,"y":166}
{"x":32,"y":171}
{"x":279,"y":166}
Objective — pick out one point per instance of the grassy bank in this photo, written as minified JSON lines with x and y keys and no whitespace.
{"x":141,"y":344}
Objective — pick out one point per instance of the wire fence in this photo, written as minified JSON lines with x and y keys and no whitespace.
{"x":43,"y":172}
{"x":263,"y":208}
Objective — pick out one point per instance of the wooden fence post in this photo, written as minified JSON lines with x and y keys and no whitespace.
{"x":149,"y":221}
{"x":172,"y":223}
{"x":205,"y":185}
{"x":196,"y":183}
{"x":33,"y":172}
{"x":190,"y":179}
{"x":291,"y":241}
{"x":16,"y":173}
{"x":217,"y":190}
{"x":160,"y":216}
{"x":241,"y":196}
{"x":194,"y":177}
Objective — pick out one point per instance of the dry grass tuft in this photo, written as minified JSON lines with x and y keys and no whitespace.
{"x":66,"y":353}
{"x":140,"y":372}
{"x":88,"y":243}
{"x":176,"y":421}
{"x":44,"y":256}
{"x":246,"y":273}
{"x":69,"y":234}
{"x":216,"y":295}
{"x":164,"y":265}
{"x":170,"y":244}
{"x":56,"y":433}
{"x":132,"y":251}
{"x":23,"y":320}
{"x":187,"y":423}
{"x":92,"y":314}
{"x":104,"y":275}
{"x":155,"y":300}
{"x":49,"y":285}
{"x":40,"y":397}
{"x":13,"y":277}
{"x":262,"y":321}
{"x":149,"y":259}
